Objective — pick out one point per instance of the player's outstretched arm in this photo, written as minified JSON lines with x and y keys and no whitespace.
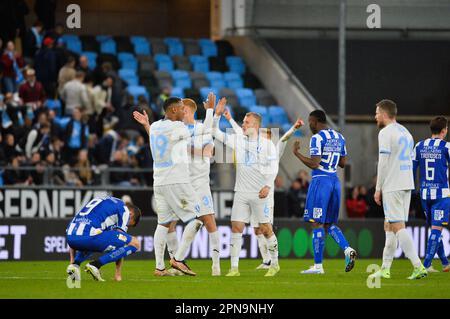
{"x":237,"y":129}
{"x":299,"y":123}
{"x":342,"y":161}
{"x":143,"y":120}
{"x":312,"y":162}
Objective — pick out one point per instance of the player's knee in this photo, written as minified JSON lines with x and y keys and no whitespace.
{"x":135,"y":243}
{"x":172,"y":226}
{"x":266,"y":229}
{"x":209,"y":222}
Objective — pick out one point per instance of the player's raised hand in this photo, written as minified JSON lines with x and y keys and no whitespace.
{"x":141,"y":118}
{"x":227,"y":114}
{"x":299,"y":123}
{"x":377,"y":198}
{"x":264,"y":192}
{"x":296,"y":146}
{"x":210,"y":101}
{"x":220,"y":108}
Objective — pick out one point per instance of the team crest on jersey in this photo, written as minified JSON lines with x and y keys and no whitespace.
{"x":206,"y":200}
{"x":184,"y":203}
{"x":197,"y":208}
{"x":317,"y":212}
{"x":122,"y":237}
{"x":266,"y":210}
{"x":438,"y":214}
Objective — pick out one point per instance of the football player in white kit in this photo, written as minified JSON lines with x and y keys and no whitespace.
{"x":256,"y":169}
{"x":281,"y":145}
{"x":175,"y":197}
{"x":202,"y":147}
{"x":393,"y":190}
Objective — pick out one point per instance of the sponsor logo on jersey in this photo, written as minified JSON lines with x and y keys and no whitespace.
{"x":438,"y":214}
{"x":317,"y":212}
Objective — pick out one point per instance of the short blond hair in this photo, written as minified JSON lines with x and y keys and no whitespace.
{"x":256,"y":116}
{"x":191,"y":104}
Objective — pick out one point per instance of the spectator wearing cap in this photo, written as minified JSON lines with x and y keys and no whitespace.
{"x":12,"y":63}
{"x":32,"y":91}
{"x":66,"y":73}
{"x":46,"y":66}
{"x":74,"y":93}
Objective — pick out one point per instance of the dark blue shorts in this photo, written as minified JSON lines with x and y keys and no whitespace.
{"x":437,"y":211}
{"x":106,"y":241}
{"x":323,"y":200}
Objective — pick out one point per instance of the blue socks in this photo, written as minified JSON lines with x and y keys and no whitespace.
{"x":338,"y":237}
{"x":432,"y":246}
{"x":318,"y":239}
{"x":441,"y":253}
{"x":116,"y":254}
{"x":81,"y":256}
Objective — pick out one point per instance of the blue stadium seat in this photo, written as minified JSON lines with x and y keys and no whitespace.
{"x":138,"y":39}
{"x":278,"y":115}
{"x":129,"y":64}
{"x":204,"y":91}
{"x":214,"y":75}
{"x":70,"y":37}
{"x":178,"y":91}
{"x":162,"y":57}
{"x":132,"y":80}
{"x":235,"y":64}
{"x":233,"y":80}
{"x":218,"y":84}
{"x":127,"y":72}
{"x":92,"y":59}
{"x":142,"y":48}
{"x":180,"y":74}
{"x":102,"y":38}
{"x":246,"y":97}
{"x":108,"y":46}
{"x":175,"y":46}
{"x":74,"y":46}
{"x":123,"y":56}
{"x":207,"y":47}
{"x":54,"y":104}
{"x":137,"y":90}
{"x":181,"y":79}
{"x":199,"y":63}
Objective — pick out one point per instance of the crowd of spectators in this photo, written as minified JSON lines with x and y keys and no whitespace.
{"x":62,"y":122}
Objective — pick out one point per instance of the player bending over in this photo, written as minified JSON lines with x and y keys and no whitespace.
{"x":432,"y":157}
{"x":256,"y":168}
{"x":101,"y":226}
{"x":281,"y":145}
{"x":201,"y":148}
{"x":394,"y":184}
{"x":175,"y":197}
{"x":328,"y":151}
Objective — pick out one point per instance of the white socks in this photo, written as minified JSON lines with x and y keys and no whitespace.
{"x":262,"y":244}
{"x":172,"y":243}
{"x":390,"y":246}
{"x":160,"y":239}
{"x":407,"y":245}
{"x":236,"y":243}
{"x":214,"y":248}
{"x":189,"y":233}
{"x":272,"y":247}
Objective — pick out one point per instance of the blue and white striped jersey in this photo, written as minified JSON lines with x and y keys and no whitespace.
{"x":330,"y":145}
{"x":432,"y":157}
{"x":98,"y":215}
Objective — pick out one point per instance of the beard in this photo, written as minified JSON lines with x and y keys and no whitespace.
{"x":380,"y":125}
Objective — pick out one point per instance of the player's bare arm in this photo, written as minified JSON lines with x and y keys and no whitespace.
{"x":312,"y":162}
{"x":342,"y":161}
{"x":220,"y":108}
{"x":210,"y":101}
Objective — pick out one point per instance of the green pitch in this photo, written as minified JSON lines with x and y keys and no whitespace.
{"x":48,"y":280}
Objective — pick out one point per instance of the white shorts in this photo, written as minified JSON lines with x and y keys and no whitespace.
{"x":203,"y":193}
{"x":396,"y":205}
{"x":248,"y":205}
{"x":254,"y":223}
{"x":176,"y":201}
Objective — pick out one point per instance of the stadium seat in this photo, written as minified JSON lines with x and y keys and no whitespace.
{"x":136,"y":90}
{"x":54,"y":104}
{"x":233,"y":80}
{"x":131,"y":80}
{"x":199,"y":63}
{"x":102,"y":38}
{"x":163,"y":78}
{"x":235,"y":64}
{"x":246,"y":97}
{"x":74,"y":46}
{"x":217,"y":83}
{"x":108,"y":46}
{"x":199,"y":83}
{"x":70,"y":37}
{"x":224,"y":125}
{"x":181,"y":79}
{"x":174,"y":46}
{"x":264,"y":98}
{"x":182,"y":63}
{"x":178,"y":91}
{"x":278,"y":115}
{"x":158,"y":46}
{"x":214,"y":75}
{"x":163,"y":62}
{"x":92,"y":59}
{"x":142,"y":48}
{"x":204,"y":91}
{"x":126,"y":72}
{"x":146,"y":65}
{"x":208,"y":47}
{"x":231,"y":97}
{"x":191,"y":47}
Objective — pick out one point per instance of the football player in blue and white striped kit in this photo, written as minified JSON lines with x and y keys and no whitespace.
{"x":101,"y":226}
{"x":328,"y":151}
{"x":432,"y":157}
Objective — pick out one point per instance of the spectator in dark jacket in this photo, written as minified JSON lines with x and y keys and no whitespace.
{"x":46,"y":66}
{"x":32,"y":91}
{"x":35,"y":140}
{"x":32,"y":41}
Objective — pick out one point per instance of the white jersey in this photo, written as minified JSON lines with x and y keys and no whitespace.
{"x":256,"y":160}
{"x":199,"y":166}
{"x":395,"y":169}
{"x":169,"y":146}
